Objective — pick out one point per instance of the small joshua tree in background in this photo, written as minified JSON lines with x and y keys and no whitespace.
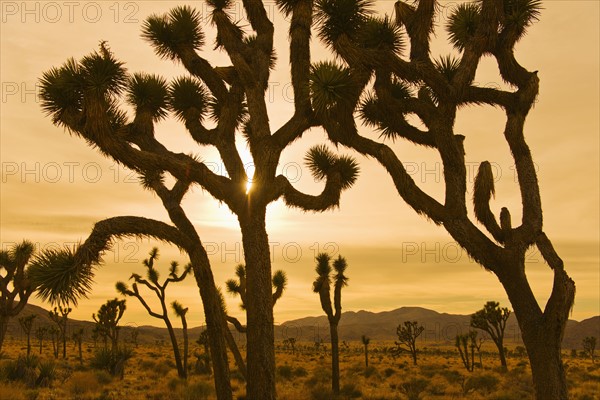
{"x":107,"y":321}
{"x":589,"y":346}
{"x":238,"y":287}
{"x":40,"y":335}
{"x":152,"y":283}
{"x":78,"y":339}
{"x":14,"y":281}
{"x":181,"y":311}
{"x":464,"y":343}
{"x":492,"y":319}
{"x":321,"y":286}
{"x":60,"y":316}
{"x":365,"y":341}
{"x":203,"y":359}
{"x":26,"y":324}
{"x":407,"y":338}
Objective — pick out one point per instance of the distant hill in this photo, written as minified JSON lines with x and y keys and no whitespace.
{"x":439,"y":327}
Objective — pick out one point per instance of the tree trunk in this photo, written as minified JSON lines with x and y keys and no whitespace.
{"x":214,"y":322}
{"x":28,"y":344}
{"x":542,"y":332}
{"x":185,"y":346}
{"x":3,"y":329}
{"x":335,"y":359}
{"x":237,"y":356}
{"x":259,"y":307}
{"x":366,"y":356}
{"x":178,"y":364}
{"x":502,"y":355}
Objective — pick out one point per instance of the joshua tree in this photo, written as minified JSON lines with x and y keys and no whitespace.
{"x":321,"y":285}
{"x":14,"y":281}
{"x":589,"y":346}
{"x":365,"y":341}
{"x":390,"y":78}
{"x":55,"y":338}
{"x":26,"y":324}
{"x":203,"y":363}
{"x":464,"y":343}
{"x":107,"y":321}
{"x":492,"y":319}
{"x":180,"y":311}
{"x":60,"y":316}
{"x":152,"y":283}
{"x":407,"y":338}
{"x":78,"y":339}
{"x":40,"y":334}
{"x":85,"y":97}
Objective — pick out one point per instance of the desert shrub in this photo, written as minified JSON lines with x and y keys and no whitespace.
{"x":285,"y":372}
{"x":413,"y":388}
{"x":320,"y":375}
{"x":484,"y":383}
{"x":321,"y":392}
{"x":196,"y":391}
{"x":112,"y":362}
{"x":371,"y":371}
{"x":147,"y":365}
{"x":300,"y":372}
{"x":81,"y":383}
{"x":237,"y":375}
{"x":103,"y":377}
{"x":12,"y":392}
{"x":389,"y":372}
{"x":161,"y":369}
{"x":175,"y":383}
{"x":437,"y":386}
{"x":349,"y":390}
{"x":47,"y":373}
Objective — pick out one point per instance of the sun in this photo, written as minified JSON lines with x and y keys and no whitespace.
{"x":248,"y":185}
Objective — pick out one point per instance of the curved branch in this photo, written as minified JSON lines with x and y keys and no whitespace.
{"x":329,"y":197}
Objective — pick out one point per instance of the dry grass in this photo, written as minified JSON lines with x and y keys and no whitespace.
{"x":305,"y":375}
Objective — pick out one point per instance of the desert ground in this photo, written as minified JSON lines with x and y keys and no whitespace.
{"x":302,"y":374}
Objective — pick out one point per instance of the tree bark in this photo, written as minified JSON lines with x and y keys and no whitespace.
{"x":259,"y":306}
{"x":500,"y":347}
{"x":214,"y":322}
{"x":335,"y":359}
{"x":542,"y":332}
{"x":3,"y":329}
{"x":180,"y":370}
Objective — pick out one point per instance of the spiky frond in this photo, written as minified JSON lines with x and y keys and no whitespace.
{"x":62,"y":91}
{"x":323,"y":267}
{"x":170,"y":33}
{"x":220,"y":4}
{"x":250,"y":41}
{"x":173,"y":270}
{"x":102,"y":74}
{"x":287,"y":6}
{"x":149,"y":178}
{"x":148,"y":94}
{"x":279,"y":279}
{"x":179,"y":310}
{"x":520,"y":14}
{"x":122,"y":287}
{"x":382,"y":35}
{"x":21,"y":253}
{"x":348,"y":169}
{"x":232,"y":286}
{"x":188,"y":98}
{"x":447,"y":66}
{"x":339,"y":17}
{"x":153,"y":275}
{"x":58,"y":278}
{"x":339,"y":265}
{"x":320,"y":160}
{"x":462,"y":24}
{"x":330,"y":85}
{"x":483,"y":188}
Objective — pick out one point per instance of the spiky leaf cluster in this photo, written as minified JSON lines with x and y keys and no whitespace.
{"x":172,"y":32}
{"x":148,"y":94}
{"x":520,"y":14}
{"x":287,"y":6}
{"x":380,"y":34}
{"x":58,"y":278}
{"x":462,"y":24}
{"x":330,"y":86}
{"x":447,"y":66}
{"x":188,"y":98}
{"x":341,"y":17}
{"x":322,"y":163}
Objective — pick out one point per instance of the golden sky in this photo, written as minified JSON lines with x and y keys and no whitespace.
{"x":54,"y":187}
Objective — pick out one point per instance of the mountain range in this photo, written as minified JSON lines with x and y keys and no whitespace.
{"x":440,"y":328}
